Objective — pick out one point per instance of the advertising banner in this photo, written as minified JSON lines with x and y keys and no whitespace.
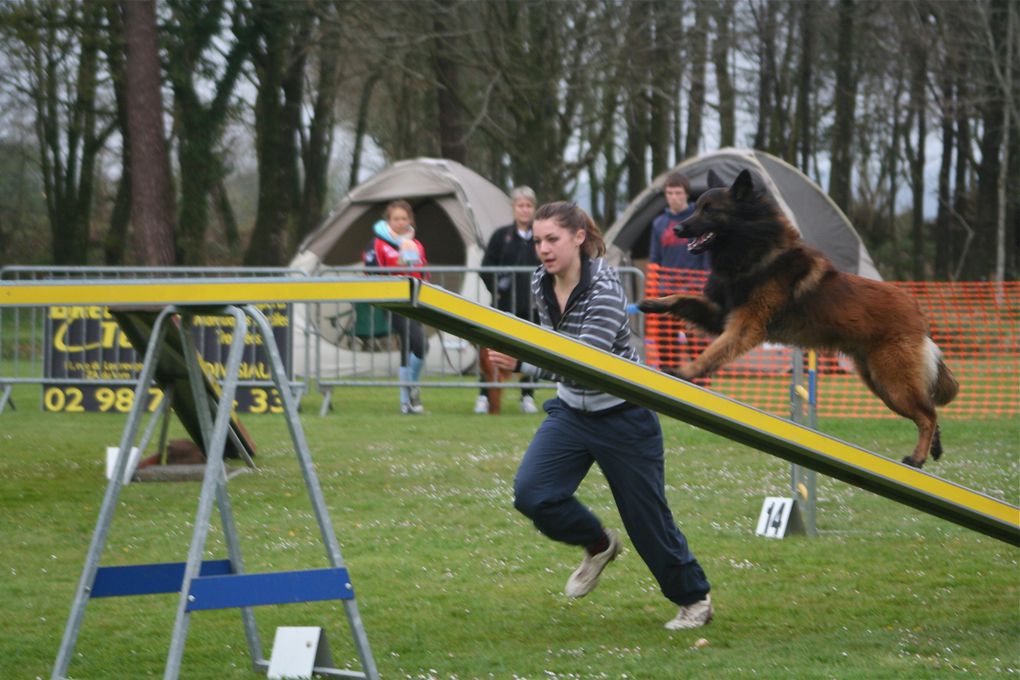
{"x":90,"y":366}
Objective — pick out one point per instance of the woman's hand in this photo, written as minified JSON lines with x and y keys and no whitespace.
{"x":503,"y":362}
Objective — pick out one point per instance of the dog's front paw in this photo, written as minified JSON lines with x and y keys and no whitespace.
{"x":685,"y":373}
{"x":679,"y":372}
{"x":653,"y":305}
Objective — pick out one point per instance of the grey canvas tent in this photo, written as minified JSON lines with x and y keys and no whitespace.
{"x":820,"y":221}
{"x":456,"y":210}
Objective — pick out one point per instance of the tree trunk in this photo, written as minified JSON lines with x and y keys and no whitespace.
{"x":115,"y":242}
{"x":152,"y":203}
{"x":200,"y":125}
{"x":636,"y":105}
{"x":943,"y":237}
{"x":804,"y":131}
{"x":279,"y":66}
{"x":779,"y":126}
{"x":919,"y":105}
{"x":765,"y":16}
{"x":663,"y":76}
{"x":361,"y":127}
{"x":698,"y":41}
{"x":1008,"y":105}
{"x":450,"y":123}
{"x":991,"y":143}
{"x":721,"y":59}
{"x":961,"y":230}
{"x":845,"y":105}
{"x":67,"y":132}
{"x":319,"y":147}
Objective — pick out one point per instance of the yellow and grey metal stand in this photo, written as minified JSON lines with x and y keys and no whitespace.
{"x":215,"y":584}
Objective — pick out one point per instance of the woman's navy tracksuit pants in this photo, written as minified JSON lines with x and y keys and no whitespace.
{"x":626,"y":442}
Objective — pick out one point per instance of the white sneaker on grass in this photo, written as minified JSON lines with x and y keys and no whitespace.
{"x":692,"y":616}
{"x":482,"y":404}
{"x":586,"y":577}
{"x":528,"y":404}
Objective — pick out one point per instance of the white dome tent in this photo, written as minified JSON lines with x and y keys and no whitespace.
{"x":456,"y":211}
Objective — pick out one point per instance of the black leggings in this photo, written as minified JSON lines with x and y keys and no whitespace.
{"x":412,"y":337}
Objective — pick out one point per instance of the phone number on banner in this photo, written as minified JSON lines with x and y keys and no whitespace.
{"x":90,"y":397}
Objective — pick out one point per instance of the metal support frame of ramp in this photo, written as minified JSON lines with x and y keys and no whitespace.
{"x":171,"y":357}
{"x":571,"y":358}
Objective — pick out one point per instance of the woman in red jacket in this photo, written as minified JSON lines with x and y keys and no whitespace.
{"x":396,"y":246}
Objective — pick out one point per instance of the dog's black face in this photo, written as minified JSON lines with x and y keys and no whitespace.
{"x":706,"y":222}
{"x":735,"y":220}
{"x":716,"y":214}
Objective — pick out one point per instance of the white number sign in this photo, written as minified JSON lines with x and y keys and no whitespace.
{"x":775,"y":517}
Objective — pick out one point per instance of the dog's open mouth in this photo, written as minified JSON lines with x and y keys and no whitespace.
{"x":698,"y":244}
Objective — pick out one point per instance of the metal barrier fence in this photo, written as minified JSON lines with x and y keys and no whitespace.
{"x":85,"y":363}
{"x":354,"y":344}
{"x":337,"y":344}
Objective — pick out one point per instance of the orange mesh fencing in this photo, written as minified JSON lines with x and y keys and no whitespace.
{"x":976,"y":324}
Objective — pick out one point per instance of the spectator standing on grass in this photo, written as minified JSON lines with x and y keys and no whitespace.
{"x":512,"y":246}
{"x":395,"y":245}
{"x":580,"y":296}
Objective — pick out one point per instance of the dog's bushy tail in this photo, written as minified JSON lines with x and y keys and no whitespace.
{"x":943,"y":385}
{"x":946,"y":386}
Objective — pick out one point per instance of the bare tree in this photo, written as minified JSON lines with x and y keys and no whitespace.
{"x":279,"y":55}
{"x":698,"y":41}
{"x":202,"y":58}
{"x":804,"y":130}
{"x":152,"y":200}
{"x":449,"y":113}
{"x":56,"y":48}
{"x":721,"y":59}
{"x":845,"y":105}
{"x":764,"y":13}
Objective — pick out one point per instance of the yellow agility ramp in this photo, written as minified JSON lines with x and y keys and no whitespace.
{"x":635,"y":382}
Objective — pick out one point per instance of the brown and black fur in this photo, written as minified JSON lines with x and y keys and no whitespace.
{"x":766,"y":284}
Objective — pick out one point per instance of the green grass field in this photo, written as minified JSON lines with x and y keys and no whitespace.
{"x":453,"y":583}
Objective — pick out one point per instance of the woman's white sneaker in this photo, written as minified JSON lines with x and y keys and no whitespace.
{"x":586,"y":577}
{"x":692,"y":616}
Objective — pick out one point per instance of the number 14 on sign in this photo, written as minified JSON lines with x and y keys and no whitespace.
{"x":775,"y":517}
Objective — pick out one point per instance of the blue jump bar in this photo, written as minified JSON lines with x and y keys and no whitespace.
{"x":253,"y":590}
{"x":149,"y":579}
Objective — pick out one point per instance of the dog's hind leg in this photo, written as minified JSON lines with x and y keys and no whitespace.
{"x":936,"y":443}
{"x":899,"y":377}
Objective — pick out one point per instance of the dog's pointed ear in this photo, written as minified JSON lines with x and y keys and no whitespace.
{"x":742,"y":187}
{"x":714,"y":180}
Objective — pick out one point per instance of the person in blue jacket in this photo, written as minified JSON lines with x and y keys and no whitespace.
{"x":666,"y":249}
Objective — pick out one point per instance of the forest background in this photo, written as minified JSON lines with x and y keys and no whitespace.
{"x":220,"y":132}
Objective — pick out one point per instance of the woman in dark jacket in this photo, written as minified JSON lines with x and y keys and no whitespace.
{"x":512,"y":246}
